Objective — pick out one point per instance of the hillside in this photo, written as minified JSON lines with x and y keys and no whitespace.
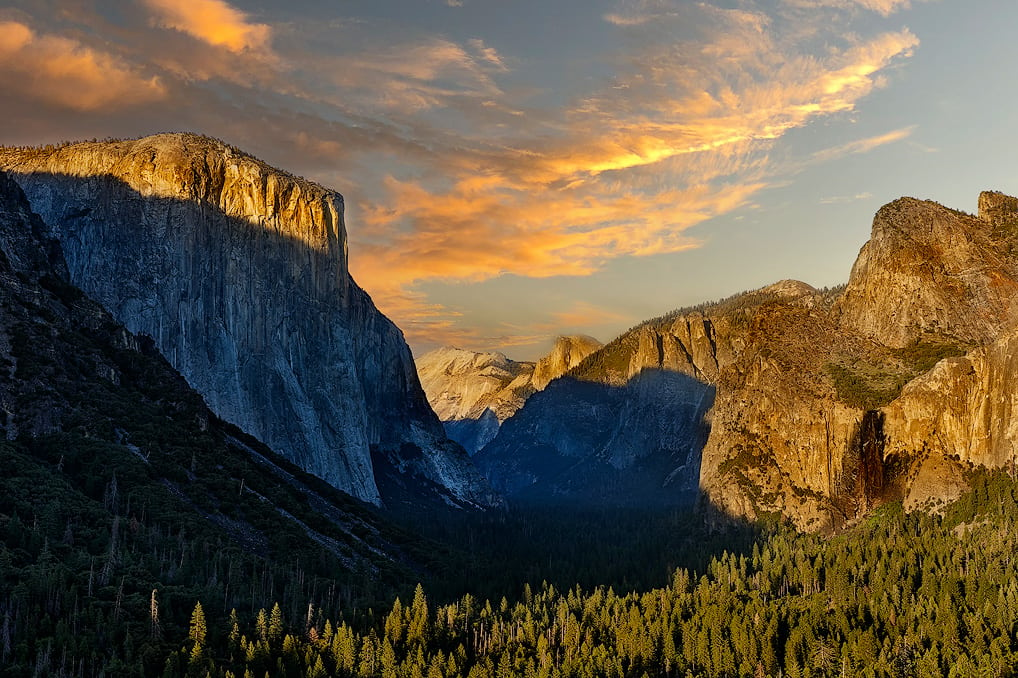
{"x":120,"y":487}
{"x":900,"y":594}
{"x":824,"y":404}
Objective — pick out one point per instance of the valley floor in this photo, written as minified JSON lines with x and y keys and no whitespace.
{"x":537,"y":593}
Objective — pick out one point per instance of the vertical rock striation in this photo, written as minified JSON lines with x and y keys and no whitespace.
{"x":239,"y":273}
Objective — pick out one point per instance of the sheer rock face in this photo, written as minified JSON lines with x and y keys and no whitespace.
{"x":239,"y":273}
{"x":965,"y":407}
{"x":473,"y":393}
{"x":787,"y":437}
{"x":928,"y":270}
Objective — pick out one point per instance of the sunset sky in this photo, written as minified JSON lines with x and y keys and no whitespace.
{"x":514,"y":170}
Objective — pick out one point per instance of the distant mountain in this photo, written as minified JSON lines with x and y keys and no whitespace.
{"x":473,"y":393}
{"x":817,"y":405}
{"x":122,"y":493}
{"x":238,"y":272}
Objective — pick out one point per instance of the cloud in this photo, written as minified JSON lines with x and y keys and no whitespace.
{"x":456,"y":170}
{"x":583,"y":315}
{"x":213,"y":22}
{"x":68,"y":74}
{"x":474,"y":233}
{"x":842,"y":199}
{"x":863,"y":145}
{"x":409,"y":78}
{"x":702,"y":117}
{"x":882,"y":7}
{"x":640,"y":12}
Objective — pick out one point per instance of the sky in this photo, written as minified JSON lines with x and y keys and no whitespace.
{"x":514,"y":170}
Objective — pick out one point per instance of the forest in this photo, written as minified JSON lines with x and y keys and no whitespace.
{"x":900,"y":594}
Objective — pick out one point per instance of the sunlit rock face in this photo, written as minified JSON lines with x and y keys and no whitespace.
{"x":966,"y":407}
{"x":818,"y":404}
{"x":853,"y":404}
{"x":568,"y":352}
{"x":928,"y":269}
{"x":464,"y":384}
{"x":473,"y":393}
{"x":238,"y":271}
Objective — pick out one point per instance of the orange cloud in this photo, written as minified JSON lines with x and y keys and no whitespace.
{"x":462,"y":235}
{"x":621,"y":175}
{"x":487,"y":178}
{"x":212,"y":21}
{"x":412,"y":77}
{"x":65,"y":72}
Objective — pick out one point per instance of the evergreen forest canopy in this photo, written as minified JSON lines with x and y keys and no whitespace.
{"x":900,"y":594}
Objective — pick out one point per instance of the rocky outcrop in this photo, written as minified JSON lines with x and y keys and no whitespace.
{"x":998,"y":209}
{"x":964,"y":408}
{"x":473,"y":393}
{"x":239,"y":274}
{"x":930,"y":270}
{"x":567,"y":353}
{"x":875,"y":401}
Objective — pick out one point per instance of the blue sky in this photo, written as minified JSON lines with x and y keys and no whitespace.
{"x":518,"y":170}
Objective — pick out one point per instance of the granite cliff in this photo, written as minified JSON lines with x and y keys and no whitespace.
{"x":473,"y":393}
{"x":818,"y":404}
{"x":238,"y":272}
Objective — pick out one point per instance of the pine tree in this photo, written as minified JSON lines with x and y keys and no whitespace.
{"x":198,"y":628}
{"x":275,"y":624}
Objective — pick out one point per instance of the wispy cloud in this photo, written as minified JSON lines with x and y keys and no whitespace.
{"x":621,"y":176}
{"x":583,"y":315}
{"x":640,"y":12}
{"x":842,"y":199}
{"x":883,"y":7}
{"x":863,"y":145}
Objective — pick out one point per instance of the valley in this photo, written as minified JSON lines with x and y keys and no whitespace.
{"x":220,"y":459}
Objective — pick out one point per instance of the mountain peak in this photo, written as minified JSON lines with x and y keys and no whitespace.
{"x":998,"y":208}
{"x":568,"y":352}
{"x":789,"y":289}
{"x":205,"y":170}
{"x":931,"y":270}
{"x":238,"y":272}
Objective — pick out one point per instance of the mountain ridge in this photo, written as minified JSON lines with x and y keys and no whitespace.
{"x":825,"y":398}
{"x":473,"y":393}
